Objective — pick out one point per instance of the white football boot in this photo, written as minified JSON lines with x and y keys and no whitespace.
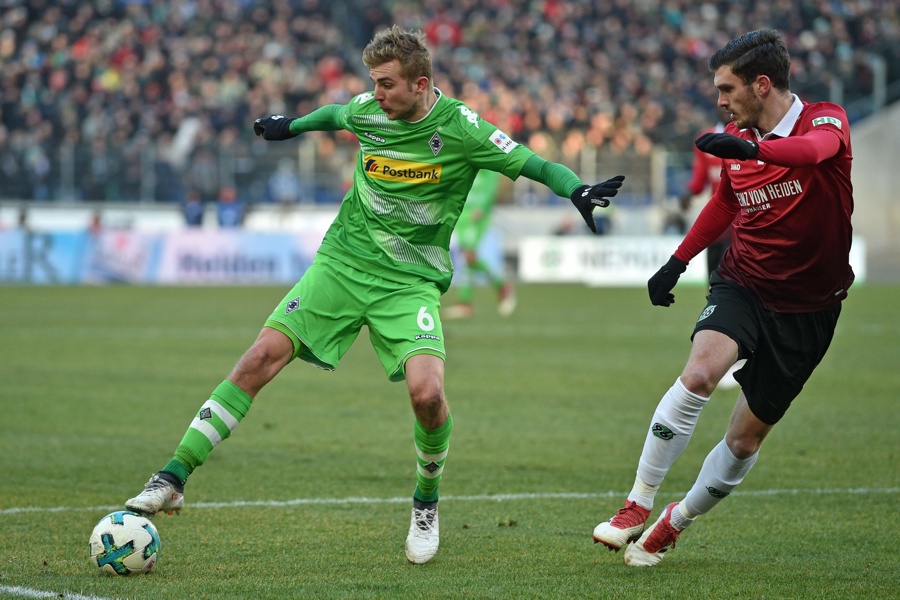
{"x":424,"y":535}
{"x":160,"y":494}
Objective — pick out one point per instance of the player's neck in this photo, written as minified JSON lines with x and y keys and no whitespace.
{"x":425,"y":105}
{"x":778,"y":106}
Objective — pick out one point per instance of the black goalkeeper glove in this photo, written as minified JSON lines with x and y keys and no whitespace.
{"x":274,"y":127}
{"x":586,"y":197}
{"x":725,"y":145}
{"x":661,"y":284}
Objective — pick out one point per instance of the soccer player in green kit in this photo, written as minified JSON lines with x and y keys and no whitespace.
{"x":470,"y":229}
{"x":384,"y":263}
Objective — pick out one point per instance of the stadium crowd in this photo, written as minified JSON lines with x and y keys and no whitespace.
{"x":153,"y":99}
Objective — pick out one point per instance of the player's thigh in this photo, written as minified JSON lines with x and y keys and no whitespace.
{"x":789,"y":349}
{"x":323,"y":313}
{"x":733,"y":311}
{"x":405,"y":322}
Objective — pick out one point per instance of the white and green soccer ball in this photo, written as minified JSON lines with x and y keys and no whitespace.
{"x":124,"y":543}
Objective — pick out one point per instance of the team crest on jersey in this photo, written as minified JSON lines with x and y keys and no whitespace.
{"x":826,"y":121}
{"x":503,"y":141}
{"x":436,"y":143}
{"x":292,"y":305}
{"x":707,"y":311}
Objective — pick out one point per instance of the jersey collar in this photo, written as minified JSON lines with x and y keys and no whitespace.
{"x":439,"y":95}
{"x":787,"y":122}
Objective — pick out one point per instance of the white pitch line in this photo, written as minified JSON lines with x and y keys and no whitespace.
{"x":22,"y":592}
{"x":476,"y":498}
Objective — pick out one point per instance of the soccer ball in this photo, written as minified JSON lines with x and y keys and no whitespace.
{"x":123,"y":543}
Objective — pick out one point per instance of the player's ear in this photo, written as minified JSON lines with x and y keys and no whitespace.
{"x":421,"y":85}
{"x":762,"y":86}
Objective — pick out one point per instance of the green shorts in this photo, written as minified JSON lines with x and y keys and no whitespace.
{"x":324,"y":312}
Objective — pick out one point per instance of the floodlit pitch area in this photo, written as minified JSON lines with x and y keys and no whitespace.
{"x":310,"y":497}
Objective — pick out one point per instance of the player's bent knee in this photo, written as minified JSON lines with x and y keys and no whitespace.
{"x":699,"y":381}
{"x":265,"y":358}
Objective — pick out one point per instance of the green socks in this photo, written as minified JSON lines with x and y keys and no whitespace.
{"x":215,"y":421}
{"x":431,"y":454}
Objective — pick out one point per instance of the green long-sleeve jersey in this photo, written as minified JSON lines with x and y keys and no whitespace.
{"x":410,"y":184}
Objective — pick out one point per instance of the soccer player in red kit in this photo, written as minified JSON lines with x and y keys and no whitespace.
{"x":776,"y":296}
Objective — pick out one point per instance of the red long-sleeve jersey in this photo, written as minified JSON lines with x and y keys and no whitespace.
{"x":791,"y":237}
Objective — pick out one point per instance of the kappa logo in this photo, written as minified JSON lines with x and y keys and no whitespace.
{"x":662,"y":432}
{"x":205,"y":414}
{"x":707,"y":312}
{"x":292,"y":305}
{"x":470,"y":115}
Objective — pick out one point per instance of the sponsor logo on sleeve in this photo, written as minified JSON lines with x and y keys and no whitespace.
{"x":503,"y":141}
{"x":826,"y":121}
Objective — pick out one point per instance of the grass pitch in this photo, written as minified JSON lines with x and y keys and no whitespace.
{"x":310,"y":497}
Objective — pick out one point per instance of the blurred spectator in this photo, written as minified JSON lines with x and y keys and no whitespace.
{"x":284,"y":184}
{"x":193,"y":209}
{"x":139,"y":99}
{"x":229,"y":209}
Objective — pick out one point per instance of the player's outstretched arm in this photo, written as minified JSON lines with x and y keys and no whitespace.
{"x":274,"y":127}
{"x":279,"y":127}
{"x":564,"y":182}
{"x":587,"y":197}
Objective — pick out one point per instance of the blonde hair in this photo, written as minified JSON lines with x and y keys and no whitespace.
{"x":405,"y":46}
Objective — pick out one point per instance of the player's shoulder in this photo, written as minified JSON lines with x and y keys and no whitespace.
{"x":823,"y":107}
{"x":363,"y":103}
{"x":458,"y":112}
{"x":823,"y":114}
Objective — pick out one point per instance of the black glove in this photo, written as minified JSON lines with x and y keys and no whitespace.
{"x":725,"y":145}
{"x":586,"y":197}
{"x":274,"y":127}
{"x":661,"y":284}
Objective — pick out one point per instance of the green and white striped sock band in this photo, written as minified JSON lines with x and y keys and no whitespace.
{"x":216,"y":419}
{"x":431,"y":454}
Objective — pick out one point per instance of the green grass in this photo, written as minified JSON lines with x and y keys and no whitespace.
{"x":550,"y":410}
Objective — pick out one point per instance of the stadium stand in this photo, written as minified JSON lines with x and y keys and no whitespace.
{"x":148,"y":100}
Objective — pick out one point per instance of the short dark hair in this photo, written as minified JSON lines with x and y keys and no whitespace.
{"x":406,"y":46}
{"x":761,"y":52}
